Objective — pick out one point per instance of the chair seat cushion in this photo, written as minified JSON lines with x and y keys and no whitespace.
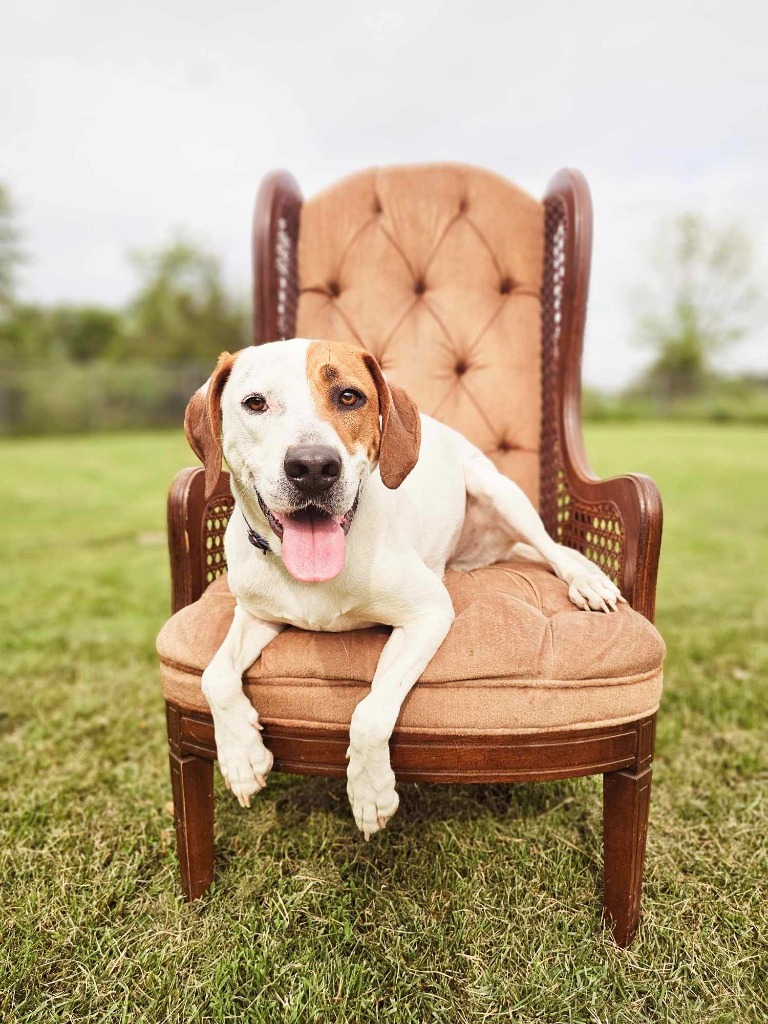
{"x":519,"y":658}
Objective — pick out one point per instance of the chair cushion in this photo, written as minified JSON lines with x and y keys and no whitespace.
{"x":519,"y":658}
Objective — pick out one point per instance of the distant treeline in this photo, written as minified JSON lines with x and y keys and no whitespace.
{"x":181,"y":312}
{"x":67,"y":367}
{"x":721,"y":399}
{"x":98,"y":396}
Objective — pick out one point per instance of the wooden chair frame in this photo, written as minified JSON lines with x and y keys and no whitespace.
{"x":577,"y":507}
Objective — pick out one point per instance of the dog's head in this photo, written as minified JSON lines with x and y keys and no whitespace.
{"x":302,"y":425}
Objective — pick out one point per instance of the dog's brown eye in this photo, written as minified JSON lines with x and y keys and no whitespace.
{"x":350,"y":398}
{"x":256,"y":403}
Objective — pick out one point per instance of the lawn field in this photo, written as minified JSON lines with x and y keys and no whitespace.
{"x":477,"y":904}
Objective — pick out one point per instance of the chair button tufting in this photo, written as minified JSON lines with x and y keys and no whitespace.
{"x":377,"y":207}
{"x":420,"y":287}
{"x":334,"y":289}
{"x":506,"y":285}
{"x":460,"y":368}
{"x":463,"y":205}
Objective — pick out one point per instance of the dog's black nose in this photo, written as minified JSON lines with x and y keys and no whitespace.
{"x":313,"y":468}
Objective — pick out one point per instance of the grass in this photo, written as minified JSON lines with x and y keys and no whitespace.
{"x":477,"y":904}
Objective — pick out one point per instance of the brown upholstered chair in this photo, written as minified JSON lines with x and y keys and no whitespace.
{"x":472,"y":295}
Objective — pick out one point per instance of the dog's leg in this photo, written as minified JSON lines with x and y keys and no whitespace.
{"x":410,"y":648}
{"x":588,"y":586}
{"x":244,"y":760}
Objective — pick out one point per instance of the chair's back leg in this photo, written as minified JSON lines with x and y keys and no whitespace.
{"x":192,"y":781}
{"x":626,"y":800}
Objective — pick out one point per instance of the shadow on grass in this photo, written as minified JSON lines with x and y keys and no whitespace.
{"x":298,"y":798}
{"x":309,"y":819}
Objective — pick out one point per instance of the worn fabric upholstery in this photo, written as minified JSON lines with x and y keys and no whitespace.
{"x":519,"y":658}
{"x":436,"y":270}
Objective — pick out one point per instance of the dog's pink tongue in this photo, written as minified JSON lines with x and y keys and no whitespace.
{"x":313,"y":546}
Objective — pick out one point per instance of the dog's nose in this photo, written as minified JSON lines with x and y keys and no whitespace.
{"x":313,"y":468}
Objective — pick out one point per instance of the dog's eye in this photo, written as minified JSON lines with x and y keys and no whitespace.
{"x":350,"y":398}
{"x":256,"y":403}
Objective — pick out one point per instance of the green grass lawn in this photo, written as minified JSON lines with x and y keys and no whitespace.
{"x":477,"y":903}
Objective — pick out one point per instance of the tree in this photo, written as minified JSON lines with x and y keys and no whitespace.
{"x":183,"y":311}
{"x":701,"y":298}
{"x":81,"y":334}
{"x":10,"y":253}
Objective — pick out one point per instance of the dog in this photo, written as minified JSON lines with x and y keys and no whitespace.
{"x":349,"y":507}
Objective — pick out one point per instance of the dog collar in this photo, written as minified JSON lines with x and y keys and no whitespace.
{"x":255,"y":538}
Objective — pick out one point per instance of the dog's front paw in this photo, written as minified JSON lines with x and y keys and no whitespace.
{"x":371,"y":788}
{"x":244,"y":760}
{"x":594,"y":591}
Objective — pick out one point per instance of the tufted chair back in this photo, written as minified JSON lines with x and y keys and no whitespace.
{"x":437,"y":271}
{"x":472,"y":295}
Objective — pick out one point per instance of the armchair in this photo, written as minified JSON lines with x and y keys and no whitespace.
{"x":473,"y":296}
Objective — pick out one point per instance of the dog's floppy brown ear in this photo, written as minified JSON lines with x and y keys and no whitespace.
{"x":202,"y":420}
{"x":400,"y":428}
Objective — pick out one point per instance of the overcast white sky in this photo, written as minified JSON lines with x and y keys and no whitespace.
{"x":121,"y":122}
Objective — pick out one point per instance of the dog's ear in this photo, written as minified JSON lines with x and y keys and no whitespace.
{"x":202,"y":420}
{"x":400,"y":428}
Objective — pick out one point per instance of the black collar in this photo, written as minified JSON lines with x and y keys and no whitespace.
{"x":255,"y":538}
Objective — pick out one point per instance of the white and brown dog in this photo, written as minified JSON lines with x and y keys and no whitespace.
{"x":359,"y":505}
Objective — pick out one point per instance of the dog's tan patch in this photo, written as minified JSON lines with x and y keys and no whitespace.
{"x":332,"y":367}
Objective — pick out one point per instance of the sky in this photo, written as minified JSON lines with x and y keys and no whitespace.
{"x":123,"y":123}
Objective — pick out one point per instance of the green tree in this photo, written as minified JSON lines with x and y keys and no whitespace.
{"x":183,"y":312}
{"x":10,"y":252}
{"x":700,"y":298}
{"x":85,"y":333}
{"x":80,"y":334}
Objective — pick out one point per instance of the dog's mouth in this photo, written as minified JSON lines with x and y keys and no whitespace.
{"x":313,"y":540}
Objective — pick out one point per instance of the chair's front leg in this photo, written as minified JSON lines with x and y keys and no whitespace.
{"x":192,"y":782}
{"x":626,"y":802}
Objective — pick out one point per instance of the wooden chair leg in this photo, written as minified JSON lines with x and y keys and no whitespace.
{"x":626,"y":800}
{"x":192,"y":781}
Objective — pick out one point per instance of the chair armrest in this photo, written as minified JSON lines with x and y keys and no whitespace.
{"x":617,"y":523}
{"x":196,"y":528}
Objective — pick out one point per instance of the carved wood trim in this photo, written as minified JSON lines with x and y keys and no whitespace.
{"x":435,"y":757}
{"x":274,"y":249}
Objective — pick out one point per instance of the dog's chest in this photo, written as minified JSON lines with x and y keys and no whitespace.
{"x":312,"y":606}
{"x":324,"y":620}
{"x":323,"y":616}
{"x":336,"y":624}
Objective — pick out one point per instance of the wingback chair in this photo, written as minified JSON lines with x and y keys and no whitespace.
{"x":472,"y":295}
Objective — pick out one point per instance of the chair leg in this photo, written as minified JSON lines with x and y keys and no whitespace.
{"x":192,"y":781}
{"x":626,"y":800}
